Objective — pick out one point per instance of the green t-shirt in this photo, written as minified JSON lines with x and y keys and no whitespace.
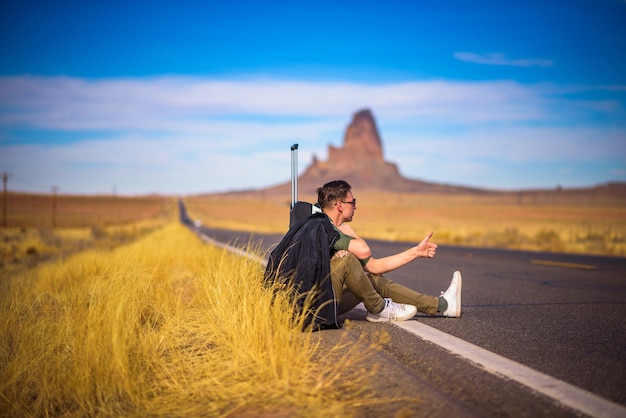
{"x":343,"y":242}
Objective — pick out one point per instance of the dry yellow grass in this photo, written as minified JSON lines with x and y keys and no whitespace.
{"x":81,"y":222}
{"x":503,"y":221}
{"x":166,"y":326}
{"x":63,"y":211}
{"x":26,"y":248}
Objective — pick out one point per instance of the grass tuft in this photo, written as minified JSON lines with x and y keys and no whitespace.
{"x":165,"y":326}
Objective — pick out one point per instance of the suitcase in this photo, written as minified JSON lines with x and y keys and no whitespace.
{"x":298,"y":210}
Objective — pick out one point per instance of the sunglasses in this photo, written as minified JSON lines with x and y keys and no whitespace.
{"x":353,"y":203}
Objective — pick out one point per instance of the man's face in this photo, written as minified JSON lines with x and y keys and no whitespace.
{"x":348,"y":206}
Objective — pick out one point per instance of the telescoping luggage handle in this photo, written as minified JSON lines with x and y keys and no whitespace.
{"x":299,"y":210}
{"x":294,"y":175}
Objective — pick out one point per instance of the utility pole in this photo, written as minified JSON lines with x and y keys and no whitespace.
{"x":5,"y":179}
{"x":54,"y":206}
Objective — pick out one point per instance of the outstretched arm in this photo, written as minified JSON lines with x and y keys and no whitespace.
{"x":384,"y":265}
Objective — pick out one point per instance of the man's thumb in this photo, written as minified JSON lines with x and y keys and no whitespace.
{"x":425,"y":240}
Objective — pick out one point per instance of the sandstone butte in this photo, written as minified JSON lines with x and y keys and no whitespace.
{"x":361,"y":162}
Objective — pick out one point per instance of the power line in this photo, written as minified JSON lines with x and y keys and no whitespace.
{"x":54,"y":206}
{"x":5,"y":179}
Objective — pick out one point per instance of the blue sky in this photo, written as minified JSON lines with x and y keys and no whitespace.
{"x":189,"y":97}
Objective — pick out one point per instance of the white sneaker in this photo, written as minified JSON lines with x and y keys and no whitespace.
{"x":453,"y":296}
{"x":392,"y":312}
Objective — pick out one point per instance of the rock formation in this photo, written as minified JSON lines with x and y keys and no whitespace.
{"x":361,"y":142}
{"x":361,"y":163}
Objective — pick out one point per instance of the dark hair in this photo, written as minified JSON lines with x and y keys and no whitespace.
{"x":331,"y":192}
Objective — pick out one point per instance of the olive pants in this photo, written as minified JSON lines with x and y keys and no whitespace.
{"x":352,"y":284}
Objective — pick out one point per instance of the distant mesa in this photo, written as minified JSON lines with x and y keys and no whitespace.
{"x":361,"y":163}
{"x":361,"y":142}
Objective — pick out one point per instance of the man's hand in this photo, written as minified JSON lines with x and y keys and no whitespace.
{"x":426,"y":248}
{"x":339,"y":254}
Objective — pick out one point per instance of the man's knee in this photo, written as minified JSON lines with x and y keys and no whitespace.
{"x":347,"y":261}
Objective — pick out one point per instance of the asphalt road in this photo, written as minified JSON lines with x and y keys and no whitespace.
{"x":561,"y":315}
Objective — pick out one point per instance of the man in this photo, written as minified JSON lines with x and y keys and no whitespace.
{"x":300,"y":264}
{"x":358,"y":277}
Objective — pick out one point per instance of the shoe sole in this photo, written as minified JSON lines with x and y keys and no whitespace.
{"x":370,"y":319}
{"x":387,"y":320}
{"x":376,"y":320}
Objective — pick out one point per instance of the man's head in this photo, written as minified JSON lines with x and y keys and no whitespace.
{"x":337,"y":195}
{"x":331,"y":192}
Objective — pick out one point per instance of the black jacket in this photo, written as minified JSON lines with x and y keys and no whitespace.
{"x":303,"y":255}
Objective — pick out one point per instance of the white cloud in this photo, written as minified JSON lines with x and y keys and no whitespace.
{"x":187,"y":135}
{"x":501,"y":59}
{"x":192,"y":104}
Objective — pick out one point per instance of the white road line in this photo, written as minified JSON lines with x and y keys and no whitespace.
{"x":562,"y":392}
{"x":230,"y":248}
